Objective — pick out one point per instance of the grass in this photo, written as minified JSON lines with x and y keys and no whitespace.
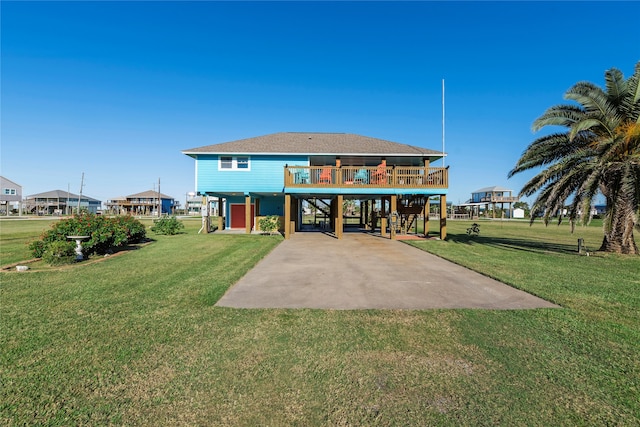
{"x":136,"y":340}
{"x":15,"y":234}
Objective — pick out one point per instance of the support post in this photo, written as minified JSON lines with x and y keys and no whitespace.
{"x":425,"y":217}
{"x":393,"y":209}
{"x":443,"y":217}
{"x":247,"y":214}
{"x":294,"y":216}
{"x":287,"y":216}
{"x":366,"y":215}
{"x":206,"y":221}
{"x":339,"y":227}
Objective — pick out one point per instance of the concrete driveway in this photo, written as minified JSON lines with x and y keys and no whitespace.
{"x":364,"y":271}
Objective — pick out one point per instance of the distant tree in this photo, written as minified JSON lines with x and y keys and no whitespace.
{"x":598,"y":153}
{"x":348,"y":206}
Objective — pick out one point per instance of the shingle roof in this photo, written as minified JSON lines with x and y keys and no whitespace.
{"x":6,"y":180}
{"x":491,"y":189}
{"x":314,"y":143}
{"x":60,"y":194}
{"x":149,"y":194}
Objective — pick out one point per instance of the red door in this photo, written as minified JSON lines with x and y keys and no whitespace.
{"x":237,"y":216}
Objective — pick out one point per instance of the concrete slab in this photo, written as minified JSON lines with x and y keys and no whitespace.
{"x":363,"y":271}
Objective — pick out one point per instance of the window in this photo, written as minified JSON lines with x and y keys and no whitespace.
{"x":234,"y":163}
{"x":226,"y":162}
{"x":9,"y":191}
{"x":243,"y":163}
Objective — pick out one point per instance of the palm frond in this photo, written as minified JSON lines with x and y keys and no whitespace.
{"x":559,"y":115}
{"x":634,"y":84}
{"x":548,"y":150}
{"x":615,"y":84}
{"x":585,"y":125}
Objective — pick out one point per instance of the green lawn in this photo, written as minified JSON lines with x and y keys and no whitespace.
{"x":136,"y":339}
{"x":15,"y":235}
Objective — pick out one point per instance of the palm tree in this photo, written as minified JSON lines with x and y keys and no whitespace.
{"x":599,"y":153}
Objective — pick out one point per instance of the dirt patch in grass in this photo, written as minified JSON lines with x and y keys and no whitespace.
{"x":37,"y":265}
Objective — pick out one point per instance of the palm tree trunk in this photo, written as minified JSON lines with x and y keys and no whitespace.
{"x":618,"y":229}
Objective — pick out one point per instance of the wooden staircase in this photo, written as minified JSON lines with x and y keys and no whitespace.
{"x":409,"y":210}
{"x":321,"y":206}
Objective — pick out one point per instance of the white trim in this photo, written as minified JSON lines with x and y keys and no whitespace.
{"x":195,"y":177}
{"x":234,"y":163}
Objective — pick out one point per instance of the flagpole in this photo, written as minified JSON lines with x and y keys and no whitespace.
{"x":442,"y":122}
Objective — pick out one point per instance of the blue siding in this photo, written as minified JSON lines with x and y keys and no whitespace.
{"x":272,"y":206}
{"x":166,"y":206}
{"x":266,"y":174}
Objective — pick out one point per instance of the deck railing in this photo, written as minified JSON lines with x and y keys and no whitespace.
{"x":366,"y":176}
{"x":499,"y":199}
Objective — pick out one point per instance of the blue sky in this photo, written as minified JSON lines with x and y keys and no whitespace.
{"x":117,"y":89}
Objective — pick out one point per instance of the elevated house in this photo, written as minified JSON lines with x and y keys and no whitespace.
{"x":488,"y":198}
{"x":282,"y":173}
{"x":10,"y":196}
{"x":59,"y":202}
{"x":145,"y":203}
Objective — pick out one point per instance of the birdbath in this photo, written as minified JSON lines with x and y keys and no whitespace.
{"x":78,"y":239}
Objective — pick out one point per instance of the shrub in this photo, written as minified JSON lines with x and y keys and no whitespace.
{"x":59,"y":252}
{"x":168,"y":225}
{"x":269,"y":224}
{"x":105,"y":234}
{"x":37,"y":248}
{"x":128,"y":228}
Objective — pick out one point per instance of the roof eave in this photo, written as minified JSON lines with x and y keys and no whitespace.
{"x":195,"y":153}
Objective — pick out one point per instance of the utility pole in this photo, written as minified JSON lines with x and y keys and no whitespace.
{"x":159,"y":200}
{"x":80,"y":196}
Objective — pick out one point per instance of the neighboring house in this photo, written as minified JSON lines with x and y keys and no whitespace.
{"x":145,"y":203}
{"x":10,"y":196}
{"x":273,"y":174}
{"x":59,"y":202}
{"x":193,"y":204}
{"x":488,"y":198}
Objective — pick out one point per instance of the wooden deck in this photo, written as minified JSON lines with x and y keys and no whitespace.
{"x":365,"y":177}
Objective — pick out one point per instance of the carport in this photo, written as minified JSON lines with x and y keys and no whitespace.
{"x":395,"y":212}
